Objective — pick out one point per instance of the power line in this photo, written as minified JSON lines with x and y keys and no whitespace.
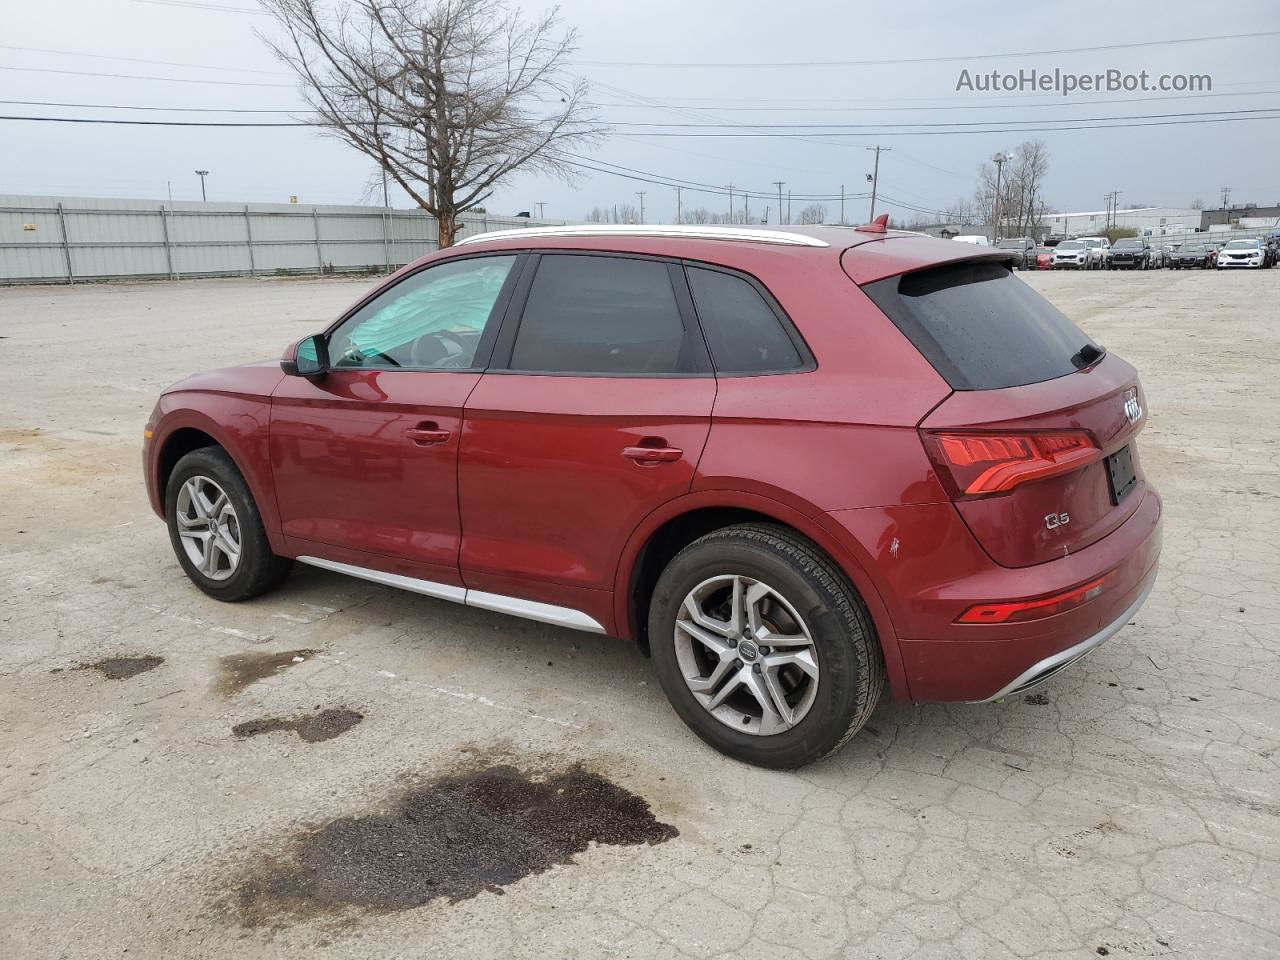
{"x":162,"y":63}
{"x":192,"y":5}
{"x":1048,"y":102}
{"x":783,"y":64}
{"x":941,"y":133}
{"x":134,"y":76}
{"x":823,"y":127}
{"x":1094,"y":123}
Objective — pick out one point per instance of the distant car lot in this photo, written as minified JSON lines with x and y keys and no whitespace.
{"x":1132,"y":804}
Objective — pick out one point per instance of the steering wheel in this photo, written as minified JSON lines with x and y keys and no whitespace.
{"x":358,"y":358}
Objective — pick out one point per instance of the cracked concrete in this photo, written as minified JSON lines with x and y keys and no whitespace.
{"x":1137,"y":811}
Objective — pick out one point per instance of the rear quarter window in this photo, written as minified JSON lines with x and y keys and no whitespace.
{"x":744,"y":332}
{"x":981,"y":327}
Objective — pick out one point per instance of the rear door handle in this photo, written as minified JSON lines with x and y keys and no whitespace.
{"x":652,"y":454}
{"x":427,"y":434}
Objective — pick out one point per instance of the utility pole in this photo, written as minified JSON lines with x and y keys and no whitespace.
{"x":731,"y":203}
{"x":679,"y":208}
{"x":1000,"y":159}
{"x":842,"y":204}
{"x":746,"y":208}
{"x":640,"y":194}
{"x":202,"y":174}
{"x":788,"y":206}
{"x":779,"y":184}
{"x":541,"y":208}
{"x":1226,"y":197}
{"x":875,"y":178}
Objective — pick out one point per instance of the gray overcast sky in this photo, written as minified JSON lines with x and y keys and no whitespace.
{"x":1162,"y":165}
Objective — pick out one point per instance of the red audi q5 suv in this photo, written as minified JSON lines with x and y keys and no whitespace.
{"x":795,"y":467}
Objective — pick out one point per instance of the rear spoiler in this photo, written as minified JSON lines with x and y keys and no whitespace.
{"x":896,"y":254}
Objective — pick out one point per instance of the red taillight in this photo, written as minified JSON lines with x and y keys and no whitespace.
{"x":984,"y":463}
{"x":1018,"y":610}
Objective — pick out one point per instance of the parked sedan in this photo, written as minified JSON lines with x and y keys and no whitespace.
{"x":1242,"y":253}
{"x":1044,"y":258}
{"x":663,"y":434}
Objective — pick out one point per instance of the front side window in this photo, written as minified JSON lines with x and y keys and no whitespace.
{"x":432,"y":320}
{"x":743,"y":332}
{"x":603,"y":315}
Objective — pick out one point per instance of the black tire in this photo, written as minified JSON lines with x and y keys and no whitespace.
{"x":259,"y":570}
{"x":851,"y":666}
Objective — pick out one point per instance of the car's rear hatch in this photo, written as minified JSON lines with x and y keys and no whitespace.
{"x":1036,"y":442}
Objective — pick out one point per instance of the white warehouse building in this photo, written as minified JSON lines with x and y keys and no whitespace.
{"x":1148,"y":221}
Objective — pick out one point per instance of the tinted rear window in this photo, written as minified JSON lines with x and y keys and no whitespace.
{"x":604,"y":315}
{"x":981,"y":327}
{"x":744,"y":333}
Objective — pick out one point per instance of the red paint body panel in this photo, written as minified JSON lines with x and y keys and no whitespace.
{"x":233,"y":406}
{"x":531,"y":496}
{"x":1011,"y":526}
{"x":348,"y":473}
{"x":546,"y":493}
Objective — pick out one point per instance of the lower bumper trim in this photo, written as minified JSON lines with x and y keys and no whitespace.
{"x":1041,"y":671}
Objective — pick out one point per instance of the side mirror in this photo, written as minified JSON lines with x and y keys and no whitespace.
{"x":308,"y":357}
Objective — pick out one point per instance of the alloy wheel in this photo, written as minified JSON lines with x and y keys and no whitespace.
{"x":208,"y":528}
{"x":746,"y":655}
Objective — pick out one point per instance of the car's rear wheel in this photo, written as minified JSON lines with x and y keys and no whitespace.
{"x":216,"y":530}
{"x":763,"y":647}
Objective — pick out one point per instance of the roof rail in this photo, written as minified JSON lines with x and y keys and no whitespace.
{"x":748,"y":234}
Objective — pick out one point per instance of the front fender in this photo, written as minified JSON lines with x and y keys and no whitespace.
{"x":238,"y":424}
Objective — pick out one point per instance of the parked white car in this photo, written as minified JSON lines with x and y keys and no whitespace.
{"x":1101,"y":248}
{"x":1242,"y":253}
{"x":1073,"y":255}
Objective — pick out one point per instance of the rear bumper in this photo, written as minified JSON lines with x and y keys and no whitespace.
{"x":1042,"y":670}
{"x":929,"y":569}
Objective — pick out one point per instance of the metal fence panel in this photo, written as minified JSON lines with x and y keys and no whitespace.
{"x":63,"y":239}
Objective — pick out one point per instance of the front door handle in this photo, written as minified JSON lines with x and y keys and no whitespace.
{"x":427,"y":434}
{"x":645,"y":455}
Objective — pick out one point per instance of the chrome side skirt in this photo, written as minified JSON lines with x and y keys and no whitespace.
{"x":1049,"y":666}
{"x":529,"y":609}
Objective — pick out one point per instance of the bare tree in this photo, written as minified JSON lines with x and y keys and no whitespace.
{"x":1022,"y":204}
{"x":698,"y":215}
{"x":1197,"y":204}
{"x":449,"y":97}
{"x":814,"y":213}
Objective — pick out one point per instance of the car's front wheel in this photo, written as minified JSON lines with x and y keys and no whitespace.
{"x":763,"y":647}
{"x":216,"y":530}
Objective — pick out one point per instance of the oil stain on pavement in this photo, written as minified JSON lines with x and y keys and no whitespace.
{"x":313,"y":728}
{"x":122,"y":668}
{"x":242,"y":669}
{"x":454,"y":838}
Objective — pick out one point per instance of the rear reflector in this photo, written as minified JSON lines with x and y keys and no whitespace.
{"x":1019,"y":610}
{"x":979,"y":464}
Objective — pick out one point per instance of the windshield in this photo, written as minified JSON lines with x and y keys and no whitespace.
{"x":1196,"y":249}
{"x":1011,"y":244}
{"x":1242,"y":245}
{"x":981,"y":327}
{"x":1092,"y":243}
{"x":1071,"y":245}
{"x":1129,"y":245}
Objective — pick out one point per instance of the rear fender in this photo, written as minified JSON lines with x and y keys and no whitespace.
{"x":847,"y":554}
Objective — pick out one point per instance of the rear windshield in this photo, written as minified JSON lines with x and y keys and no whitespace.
{"x":981,"y":327}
